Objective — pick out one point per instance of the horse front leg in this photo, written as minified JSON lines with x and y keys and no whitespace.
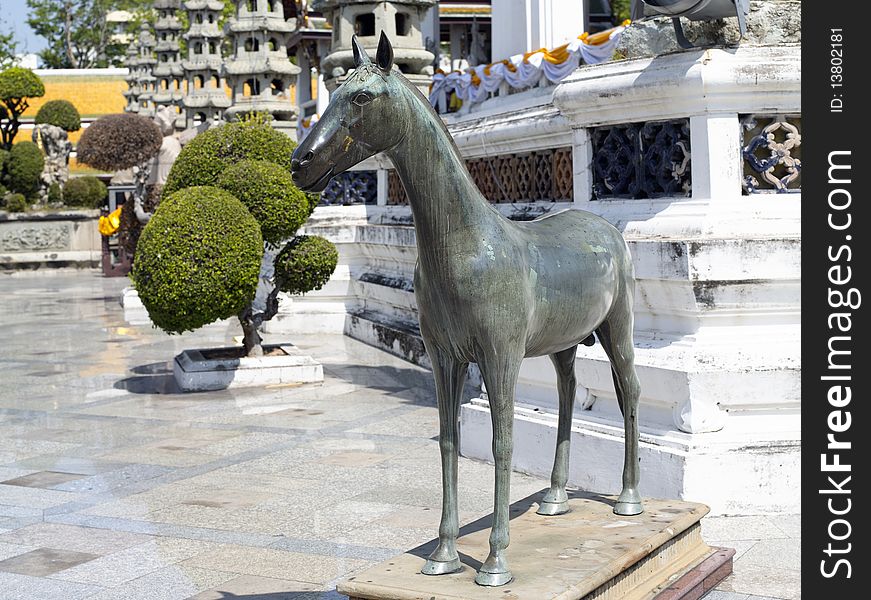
{"x":556,"y":501}
{"x":450,"y":376}
{"x":500,"y":376}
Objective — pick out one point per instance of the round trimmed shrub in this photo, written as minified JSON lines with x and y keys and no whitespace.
{"x":204,"y":158}
{"x":198,"y":259}
{"x":16,"y":203}
{"x":268,"y":191}
{"x":23,"y":168}
{"x":60,"y":113}
{"x":117,"y":142}
{"x":86,"y":192}
{"x":18,"y":82}
{"x":305,"y":264}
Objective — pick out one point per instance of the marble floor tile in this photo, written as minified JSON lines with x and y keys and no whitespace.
{"x":44,"y":561}
{"x":73,"y":538}
{"x":43,"y":479}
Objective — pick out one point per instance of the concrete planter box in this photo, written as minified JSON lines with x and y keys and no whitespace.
{"x":50,"y":239}
{"x":217,"y":369}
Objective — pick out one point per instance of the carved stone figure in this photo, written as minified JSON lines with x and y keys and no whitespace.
{"x":55,"y":144}
{"x":489,"y":290}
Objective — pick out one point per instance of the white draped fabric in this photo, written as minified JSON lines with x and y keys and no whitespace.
{"x":476,"y":83}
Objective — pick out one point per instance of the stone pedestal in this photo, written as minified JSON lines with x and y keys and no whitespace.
{"x":205,"y":370}
{"x":588,"y":553}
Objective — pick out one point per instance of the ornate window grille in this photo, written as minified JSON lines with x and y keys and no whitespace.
{"x":771,"y":153}
{"x":642,"y":160}
{"x":351,"y":187}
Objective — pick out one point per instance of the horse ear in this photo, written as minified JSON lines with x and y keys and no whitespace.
{"x":360,"y":56}
{"x":384,"y":57}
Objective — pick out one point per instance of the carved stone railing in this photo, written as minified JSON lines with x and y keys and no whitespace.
{"x":539,"y":176}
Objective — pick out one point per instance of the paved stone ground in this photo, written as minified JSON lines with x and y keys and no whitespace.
{"x":113,"y":485}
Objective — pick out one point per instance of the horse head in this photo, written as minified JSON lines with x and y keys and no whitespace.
{"x":360,"y":121}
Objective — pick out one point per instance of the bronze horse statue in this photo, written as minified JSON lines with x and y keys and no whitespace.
{"x":489,"y":290}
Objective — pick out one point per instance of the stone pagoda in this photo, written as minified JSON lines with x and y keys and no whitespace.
{"x":206,"y":99}
{"x":259,"y":72}
{"x":133,"y":89}
{"x":399,"y":19}
{"x":141,"y":78}
{"x":168,"y":70}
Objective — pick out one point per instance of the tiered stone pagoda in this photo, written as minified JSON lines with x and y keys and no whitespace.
{"x":399,"y":19}
{"x":141,"y":78}
{"x":168,"y":70}
{"x":259,"y":72}
{"x":133,"y":89}
{"x":206,"y":98}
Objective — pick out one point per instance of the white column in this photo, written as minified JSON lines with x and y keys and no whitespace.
{"x":323,"y":95}
{"x":716,"y":156}
{"x":381,"y":198}
{"x":582,"y":167}
{"x":523,"y":25}
{"x":304,"y":81}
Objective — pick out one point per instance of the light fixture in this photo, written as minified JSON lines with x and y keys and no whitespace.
{"x":694,"y":10}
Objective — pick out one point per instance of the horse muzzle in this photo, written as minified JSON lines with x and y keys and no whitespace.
{"x":302,"y":173}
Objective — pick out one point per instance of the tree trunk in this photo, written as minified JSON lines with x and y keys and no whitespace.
{"x":252,"y":342}
{"x":68,"y":35}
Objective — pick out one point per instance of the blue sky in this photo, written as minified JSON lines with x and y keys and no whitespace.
{"x":13,"y":14}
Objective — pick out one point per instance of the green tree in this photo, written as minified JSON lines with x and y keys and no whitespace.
{"x":78,"y":33}
{"x":16,"y":86}
{"x":8,"y":47}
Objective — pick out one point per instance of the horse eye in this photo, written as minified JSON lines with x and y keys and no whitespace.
{"x":361,"y":99}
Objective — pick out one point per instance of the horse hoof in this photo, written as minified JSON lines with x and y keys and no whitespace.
{"x":628,"y":509}
{"x":550,"y":509}
{"x":437,"y":567}
{"x":493,"y":579}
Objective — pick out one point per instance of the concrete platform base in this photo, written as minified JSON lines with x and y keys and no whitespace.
{"x":589,"y":553}
{"x":202,"y":370}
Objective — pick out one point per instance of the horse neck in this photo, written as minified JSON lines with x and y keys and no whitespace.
{"x":443,"y":197}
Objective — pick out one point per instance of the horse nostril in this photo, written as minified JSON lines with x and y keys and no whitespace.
{"x":308,"y":157}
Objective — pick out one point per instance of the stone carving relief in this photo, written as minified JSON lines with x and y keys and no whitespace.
{"x":28,"y":238}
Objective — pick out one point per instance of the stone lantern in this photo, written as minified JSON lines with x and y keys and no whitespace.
{"x":206,"y":99}
{"x":260,"y":73}
{"x":168,"y":70}
{"x":399,"y":19}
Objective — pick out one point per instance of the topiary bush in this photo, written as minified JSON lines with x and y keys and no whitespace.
{"x":268,"y":192}
{"x":60,"y":113}
{"x":204,"y":158}
{"x":55,"y":194}
{"x":85,"y":192}
{"x":17,"y":85}
{"x":16,"y":203}
{"x":198,"y":259}
{"x":117,"y":142}
{"x":305,"y":264}
{"x":23,"y":168}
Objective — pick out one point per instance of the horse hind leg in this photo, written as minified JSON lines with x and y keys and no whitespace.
{"x":615,"y":334}
{"x":556,"y":501}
